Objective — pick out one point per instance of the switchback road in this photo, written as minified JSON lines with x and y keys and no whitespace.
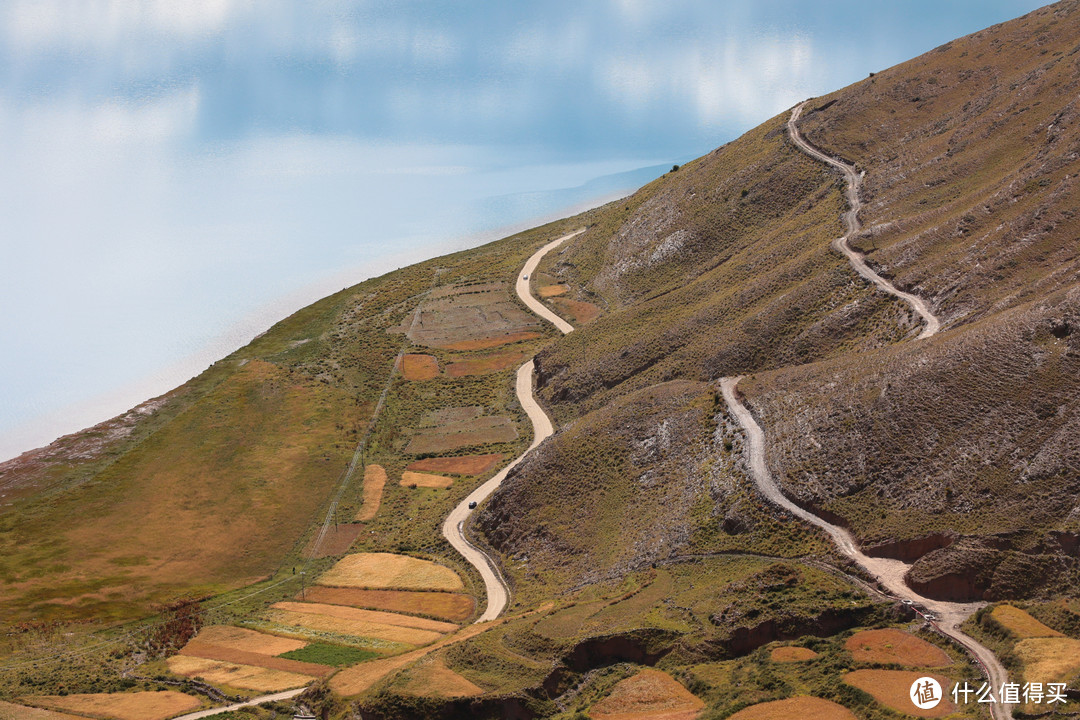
{"x":453,"y":529}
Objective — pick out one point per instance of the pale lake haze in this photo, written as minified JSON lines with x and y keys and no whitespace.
{"x":177,"y":175}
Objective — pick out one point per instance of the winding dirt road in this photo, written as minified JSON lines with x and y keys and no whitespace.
{"x":851,"y":219}
{"x":287,"y":695}
{"x":889,"y":573}
{"x":453,"y":529}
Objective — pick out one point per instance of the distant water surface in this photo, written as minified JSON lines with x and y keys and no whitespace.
{"x":176,"y":176}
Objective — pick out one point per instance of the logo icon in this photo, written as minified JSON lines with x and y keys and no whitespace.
{"x":925,"y":693}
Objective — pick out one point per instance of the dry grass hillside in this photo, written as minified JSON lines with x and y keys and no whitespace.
{"x":971,"y":154}
{"x":969,"y":440}
{"x":720,"y":268}
{"x":724,"y":267}
{"x":220,"y":482}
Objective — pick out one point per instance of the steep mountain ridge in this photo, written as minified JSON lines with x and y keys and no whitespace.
{"x":970,"y":206}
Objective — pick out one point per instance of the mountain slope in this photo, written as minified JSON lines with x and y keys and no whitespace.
{"x":969,"y":155}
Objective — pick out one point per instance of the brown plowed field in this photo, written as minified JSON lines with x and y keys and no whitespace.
{"x":121,"y":706}
{"x":804,"y":708}
{"x":419,"y":367}
{"x":464,"y":465}
{"x":244,"y":677}
{"x":553,"y":290}
{"x":494,"y":341}
{"x":249,"y":641}
{"x":477,"y":431}
{"x":241,"y":657}
{"x":792,"y":654}
{"x":493,"y":362}
{"x":890,"y":645}
{"x":650,"y":694}
{"x":387,"y":571}
{"x":580,"y":312}
{"x":891,"y":688}
{"x":449,"y":606}
{"x":454,"y":315}
{"x":415,"y":479}
{"x":374,"y":480}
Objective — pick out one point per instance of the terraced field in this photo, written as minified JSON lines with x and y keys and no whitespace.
{"x":120,"y":706}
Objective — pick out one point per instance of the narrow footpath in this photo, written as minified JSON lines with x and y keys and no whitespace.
{"x":947,"y":616}
{"x":453,"y":529}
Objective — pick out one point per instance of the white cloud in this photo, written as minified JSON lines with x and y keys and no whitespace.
{"x":737,"y":79}
{"x":104,"y":23}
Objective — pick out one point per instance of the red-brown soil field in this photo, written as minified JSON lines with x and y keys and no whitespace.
{"x":463,"y":465}
{"x":649,"y":695}
{"x":419,"y":367}
{"x":890,"y":645}
{"x":492,"y":362}
{"x":447,"y":606}
{"x":788,"y":654}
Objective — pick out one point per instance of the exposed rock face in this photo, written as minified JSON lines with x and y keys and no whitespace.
{"x":746,"y":639}
{"x":970,"y":570}
{"x":910,"y":550}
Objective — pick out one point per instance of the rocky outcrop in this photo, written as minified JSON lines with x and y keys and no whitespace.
{"x":747,"y":639}
{"x":912,"y":549}
{"x":973,"y":570}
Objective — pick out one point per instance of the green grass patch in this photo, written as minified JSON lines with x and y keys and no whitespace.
{"x":327,"y":654}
